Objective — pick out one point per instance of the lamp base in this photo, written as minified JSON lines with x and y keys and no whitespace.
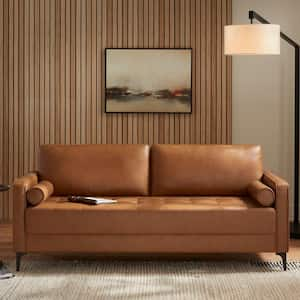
{"x":294,"y":230}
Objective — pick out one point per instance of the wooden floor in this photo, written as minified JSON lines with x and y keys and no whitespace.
{"x":6,"y":250}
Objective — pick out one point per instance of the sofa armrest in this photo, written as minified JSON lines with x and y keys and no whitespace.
{"x":281,"y":190}
{"x":20,"y":187}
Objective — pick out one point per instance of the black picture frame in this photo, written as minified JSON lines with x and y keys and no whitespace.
{"x":159,"y":112}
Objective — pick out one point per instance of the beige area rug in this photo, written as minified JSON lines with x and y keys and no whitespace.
{"x":56,"y":278}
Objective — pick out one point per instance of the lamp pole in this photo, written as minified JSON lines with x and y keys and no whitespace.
{"x":294,"y":226}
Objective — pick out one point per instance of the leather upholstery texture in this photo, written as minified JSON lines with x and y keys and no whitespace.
{"x":152,"y":215}
{"x":110,"y":170}
{"x":171,"y":198}
{"x":281,"y":189}
{"x":261,"y":193}
{"x":39,"y":192}
{"x":204,"y":169}
{"x":150,"y":243}
{"x":20,"y":187}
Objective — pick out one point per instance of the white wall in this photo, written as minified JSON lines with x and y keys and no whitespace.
{"x":263,"y":89}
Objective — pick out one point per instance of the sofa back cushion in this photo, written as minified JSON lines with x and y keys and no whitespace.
{"x":204,"y":169}
{"x":110,"y":170}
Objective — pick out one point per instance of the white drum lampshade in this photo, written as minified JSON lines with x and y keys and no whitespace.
{"x":252,"y":39}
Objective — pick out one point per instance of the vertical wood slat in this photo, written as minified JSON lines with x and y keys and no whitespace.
{"x":203,"y":63}
{"x":198,"y":68}
{"x":52,"y":75}
{"x":93,"y":94}
{"x":41,"y":95}
{"x":46,"y":122}
{"x":67,"y":72}
{"x":2,"y":99}
{"x":26,"y":116}
{"x":83,"y":103}
{"x":52,"y":86}
{"x":213,"y":73}
{"x":88,"y":101}
{"x":208,"y":42}
{"x":218,"y":86}
{"x":72,"y":71}
{"x":78,"y":71}
{"x":5,"y":63}
{"x":10,"y":97}
{"x":20,"y":98}
{"x":57,"y":68}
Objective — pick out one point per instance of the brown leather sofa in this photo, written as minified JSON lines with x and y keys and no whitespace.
{"x":171,"y":199}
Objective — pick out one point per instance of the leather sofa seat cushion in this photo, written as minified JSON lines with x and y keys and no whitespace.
{"x":152,"y":215}
{"x":95,"y":169}
{"x":204,"y":169}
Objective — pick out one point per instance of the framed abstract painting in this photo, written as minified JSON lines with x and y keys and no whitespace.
{"x":148,"y":80}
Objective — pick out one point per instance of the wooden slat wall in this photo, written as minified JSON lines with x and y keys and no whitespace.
{"x":52,"y":71}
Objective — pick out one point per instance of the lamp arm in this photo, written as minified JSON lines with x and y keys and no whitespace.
{"x":254,"y":15}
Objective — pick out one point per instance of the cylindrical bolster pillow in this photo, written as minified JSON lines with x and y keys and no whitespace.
{"x":261,"y":193}
{"x":39,"y":192}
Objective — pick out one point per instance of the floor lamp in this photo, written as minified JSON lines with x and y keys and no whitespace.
{"x":264,"y":38}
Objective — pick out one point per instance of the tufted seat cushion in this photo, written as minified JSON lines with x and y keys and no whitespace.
{"x":152,"y":215}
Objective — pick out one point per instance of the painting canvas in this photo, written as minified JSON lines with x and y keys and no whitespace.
{"x":148,"y":80}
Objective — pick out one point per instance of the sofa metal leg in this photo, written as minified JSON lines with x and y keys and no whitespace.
{"x":18,"y":260}
{"x":284,"y":259}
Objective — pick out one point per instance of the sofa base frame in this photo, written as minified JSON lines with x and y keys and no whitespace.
{"x":20,"y":254}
